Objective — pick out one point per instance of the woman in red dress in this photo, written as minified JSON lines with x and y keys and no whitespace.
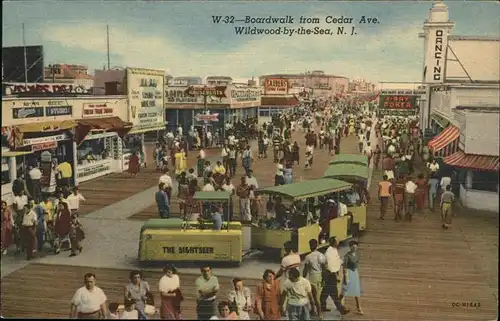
{"x":267,"y":301}
{"x":62,"y":224}
{"x":134,"y":164}
{"x":171,"y":295}
{"x":420,"y":192}
{"x":7,"y":227}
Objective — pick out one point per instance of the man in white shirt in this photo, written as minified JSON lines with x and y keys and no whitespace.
{"x":36,"y":189}
{"x":167,"y":183}
{"x":89,"y":301}
{"x":314,"y":264}
{"x":410,"y":188}
{"x":433,"y":166}
{"x":231,"y":139}
{"x":445,"y":181}
{"x":73,"y":201}
{"x":251,"y":180}
{"x":361,"y":142}
{"x":291,"y":259}
{"x":208,"y":188}
{"x":19,"y":202}
{"x":297,"y":293}
{"x":332,"y":278}
{"x":28,"y":230}
{"x":368,"y":152}
{"x":342,"y":209}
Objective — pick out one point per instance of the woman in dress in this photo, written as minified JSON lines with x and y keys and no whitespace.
{"x":288,"y":173}
{"x":134,"y":164}
{"x":62,"y":225}
{"x":180,"y":162}
{"x":200,"y":163}
{"x":183,"y":193}
{"x":420,"y":192}
{"x":170,"y":293}
{"x":268,"y":297}
{"x":351,"y":286}
{"x":7,"y":227}
{"x":139,"y":293}
{"x":241,"y":299}
{"x":76,"y":235}
{"x":158,"y":155}
{"x":296,"y":153}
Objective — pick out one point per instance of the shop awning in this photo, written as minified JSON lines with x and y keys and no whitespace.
{"x":114,"y":124}
{"x":42,"y":127}
{"x":145,"y":130}
{"x":446,"y":143}
{"x":277,"y":101}
{"x":443,"y":122}
{"x":478,"y":162}
{"x":14,"y":153}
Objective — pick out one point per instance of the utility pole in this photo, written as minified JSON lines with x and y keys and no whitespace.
{"x":25,"y":61}
{"x":107,"y":43}
{"x":205,"y":109}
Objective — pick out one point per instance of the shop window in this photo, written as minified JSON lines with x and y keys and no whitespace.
{"x":485,"y":181}
{"x":264,"y":113}
{"x":94,"y":150}
{"x":5,"y":171}
{"x":132,"y":143}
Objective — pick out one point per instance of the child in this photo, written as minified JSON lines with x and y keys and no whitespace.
{"x":308,"y":160}
{"x":130,"y":313}
{"x":113,"y":308}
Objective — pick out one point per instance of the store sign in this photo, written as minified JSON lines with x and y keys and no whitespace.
{"x":58,"y":111}
{"x":209,"y":91}
{"x":397,"y":102}
{"x":402,"y":92}
{"x":92,"y":170}
{"x":219,"y":81}
{"x":437,"y":70}
{"x":146,"y":92}
{"x":440,"y":88}
{"x":43,"y":146}
{"x":397,"y":112}
{"x":51,"y":88}
{"x":245,"y":94}
{"x":27,"y":112}
{"x":179,"y":95}
{"x":276,"y":86}
{"x":96,"y":110}
{"x":177,"y":82}
{"x":207,"y":117}
{"x":41,"y":140}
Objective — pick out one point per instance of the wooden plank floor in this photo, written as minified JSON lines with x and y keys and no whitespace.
{"x":19,"y":289}
{"x":264,"y":170}
{"x":109,"y":189}
{"x":409,"y":271}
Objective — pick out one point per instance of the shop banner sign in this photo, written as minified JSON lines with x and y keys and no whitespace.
{"x":96,"y":110}
{"x":276,"y":86}
{"x":43,"y":146}
{"x":55,"y":111}
{"x":146,"y":92}
{"x":245,"y":94}
{"x":202,"y":90}
{"x":178,"y":95}
{"x":41,"y":140}
{"x":397,"y":102}
{"x":27,"y":112}
{"x":92,"y":170}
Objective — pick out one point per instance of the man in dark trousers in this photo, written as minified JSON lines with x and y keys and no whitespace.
{"x":332,"y":278}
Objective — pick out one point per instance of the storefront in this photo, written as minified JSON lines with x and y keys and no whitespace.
{"x":99,"y":147}
{"x":146,"y":92}
{"x":275,"y":105}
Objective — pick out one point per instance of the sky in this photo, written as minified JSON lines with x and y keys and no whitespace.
{"x":181,"y":37}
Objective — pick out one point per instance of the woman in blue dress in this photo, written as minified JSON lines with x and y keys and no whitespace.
{"x":351,"y":286}
{"x":287,"y":174}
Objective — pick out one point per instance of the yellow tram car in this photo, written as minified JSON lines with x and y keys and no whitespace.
{"x":357,"y":175}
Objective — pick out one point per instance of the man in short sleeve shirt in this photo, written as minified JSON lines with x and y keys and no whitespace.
{"x":89,"y":301}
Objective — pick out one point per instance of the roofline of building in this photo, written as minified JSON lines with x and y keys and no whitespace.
{"x":300,"y":76}
{"x":479,"y":84}
{"x":79,"y":97}
{"x":480,"y":109}
{"x":468,"y":38}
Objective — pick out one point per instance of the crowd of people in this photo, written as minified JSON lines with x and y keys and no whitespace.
{"x":286,"y":292}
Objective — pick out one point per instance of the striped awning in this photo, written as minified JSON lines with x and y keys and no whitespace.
{"x":478,"y":162}
{"x":446,"y":143}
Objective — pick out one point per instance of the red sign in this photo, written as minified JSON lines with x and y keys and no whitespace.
{"x":397,"y":102}
{"x":276,"y":86}
{"x":207,"y":117}
{"x":200,"y":90}
{"x":18,"y":88}
{"x":96,"y":110}
{"x":43,"y":146}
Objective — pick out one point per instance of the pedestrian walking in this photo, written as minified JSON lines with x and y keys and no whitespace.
{"x":351,"y":285}
{"x":89,"y":301}
{"x":207,"y":287}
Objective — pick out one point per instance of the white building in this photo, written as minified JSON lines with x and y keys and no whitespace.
{"x":462,"y":74}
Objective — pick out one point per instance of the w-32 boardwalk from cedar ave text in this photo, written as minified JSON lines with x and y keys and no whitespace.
{"x":294,"y":25}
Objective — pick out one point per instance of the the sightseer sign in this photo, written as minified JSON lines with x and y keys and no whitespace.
{"x":145,"y":93}
{"x":276,"y":86}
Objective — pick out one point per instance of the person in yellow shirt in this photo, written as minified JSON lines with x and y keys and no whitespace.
{"x":65,"y":173}
{"x":48,"y":206}
{"x":180,"y":162}
{"x":219,"y":168}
